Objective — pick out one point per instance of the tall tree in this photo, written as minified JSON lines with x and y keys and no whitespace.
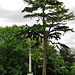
{"x":53,"y":16}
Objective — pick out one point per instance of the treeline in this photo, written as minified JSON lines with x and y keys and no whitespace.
{"x":14,"y":55}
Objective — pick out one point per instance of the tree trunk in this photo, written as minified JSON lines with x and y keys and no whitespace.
{"x":44,"y":54}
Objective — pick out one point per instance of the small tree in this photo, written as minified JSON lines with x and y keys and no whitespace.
{"x":53,"y":16}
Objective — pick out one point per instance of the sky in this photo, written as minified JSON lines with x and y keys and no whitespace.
{"x":10,"y":14}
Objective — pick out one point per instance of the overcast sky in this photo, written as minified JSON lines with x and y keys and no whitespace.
{"x":10,"y":14}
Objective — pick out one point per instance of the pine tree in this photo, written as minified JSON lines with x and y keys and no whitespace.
{"x":53,"y":16}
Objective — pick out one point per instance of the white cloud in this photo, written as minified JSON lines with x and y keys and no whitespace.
{"x":68,"y":39}
{"x":11,"y":4}
{"x":68,"y":3}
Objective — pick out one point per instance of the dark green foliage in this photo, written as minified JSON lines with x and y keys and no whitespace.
{"x":55,"y":62}
{"x":13,"y":53}
{"x":72,"y":69}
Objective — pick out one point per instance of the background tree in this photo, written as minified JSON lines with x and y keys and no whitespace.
{"x":53,"y":16}
{"x":14,"y":53}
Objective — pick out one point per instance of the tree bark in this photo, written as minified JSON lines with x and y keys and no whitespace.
{"x":45,"y":46}
{"x":44,"y":54}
